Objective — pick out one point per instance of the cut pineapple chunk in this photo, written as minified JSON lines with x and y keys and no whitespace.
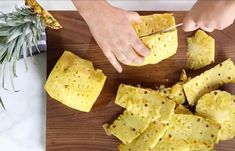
{"x":145,"y":102}
{"x":195,"y":146}
{"x":165,"y":92}
{"x":193,"y":128}
{"x":220,"y":107}
{"x":201,"y":50}
{"x":209,"y":80}
{"x":74,"y":82}
{"x":171,"y":145}
{"x":161,"y":45}
{"x":167,"y":110}
{"x":183,"y":76}
{"x":128,"y":126}
{"x":177,"y":93}
{"x":49,"y":20}
{"x":147,"y":140}
{"x":180,"y":109}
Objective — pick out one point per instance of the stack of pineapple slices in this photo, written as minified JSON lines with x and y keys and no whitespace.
{"x":156,"y":120}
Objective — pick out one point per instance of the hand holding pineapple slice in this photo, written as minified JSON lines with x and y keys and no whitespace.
{"x":161,"y":45}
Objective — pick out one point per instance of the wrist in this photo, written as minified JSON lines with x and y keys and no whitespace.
{"x":87,"y":9}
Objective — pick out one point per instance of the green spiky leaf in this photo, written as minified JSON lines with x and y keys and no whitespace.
{"x":2,"y":104}
{"x":19,"y":31}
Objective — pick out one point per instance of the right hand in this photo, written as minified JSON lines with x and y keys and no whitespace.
{"x":113,"y":31}
{"x":210,"y":15}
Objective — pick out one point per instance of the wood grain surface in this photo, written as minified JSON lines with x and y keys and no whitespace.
{"x":71,"y":130}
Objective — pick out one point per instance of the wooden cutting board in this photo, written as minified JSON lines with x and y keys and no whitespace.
{"x":71,"y":130}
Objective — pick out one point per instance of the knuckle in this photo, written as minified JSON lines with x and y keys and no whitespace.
{"x":220,"y":26}
{"x":120,"y":43}
{"x":200,"y":23}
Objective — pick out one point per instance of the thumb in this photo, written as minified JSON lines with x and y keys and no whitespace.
{"x":134,"y":16}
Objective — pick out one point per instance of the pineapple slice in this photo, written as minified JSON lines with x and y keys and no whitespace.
{"x":183,"y":76}
{"x":180,"y":109}
{"x":220,"y":107}
{"x":128,"y":126}
{"x":171,"y":145}
{"x":49,"y":20}
{"x":193,"y":128}
{"x":209,"y":80}
{"x":161,"y":45}
{"x":177,"y":93}
{"x":201,"y":50}
{"x":145,"y":102}
{"x":74,"y":82}
{"x":165,"y":92}
{"x":146,"y":140}
{"x":196,"y":146}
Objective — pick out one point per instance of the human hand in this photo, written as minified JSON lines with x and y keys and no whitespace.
{"x":210,"y":15}
{"x":112,"y":29}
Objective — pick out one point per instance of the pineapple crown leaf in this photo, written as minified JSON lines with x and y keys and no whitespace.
{"x":19,"y":31}
{"x":2,"y":104}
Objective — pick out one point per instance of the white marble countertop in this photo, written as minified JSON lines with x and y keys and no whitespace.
{"x":22,"y":125}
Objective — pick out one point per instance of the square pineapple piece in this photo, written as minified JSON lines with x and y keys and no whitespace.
{"x":147,"y":140}
{"x":145,"y":102}
{"x":220,"y":107}
{"x":161,"y":45}
{"x":74,"y":82}
{"x":209,"y":80}
{"x":128,"y":126}
{"x":201,"y":50}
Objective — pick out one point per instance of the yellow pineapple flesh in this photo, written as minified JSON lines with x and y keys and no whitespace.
{"x":161,"y":45}
{"x":220,"y":107}
{"x":49,"y":20}
{"x":201,"y":50}
{"x":74,"y":82}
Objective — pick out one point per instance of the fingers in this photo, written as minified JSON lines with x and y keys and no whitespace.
{"x":189,"y":24}
{"x":134,"y":16}
{"x":139,"y":47}
{"x":112,"y":59}
{"x":207,"y":29}
{"x":133,"y":56}
{"x":122,"y":58}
